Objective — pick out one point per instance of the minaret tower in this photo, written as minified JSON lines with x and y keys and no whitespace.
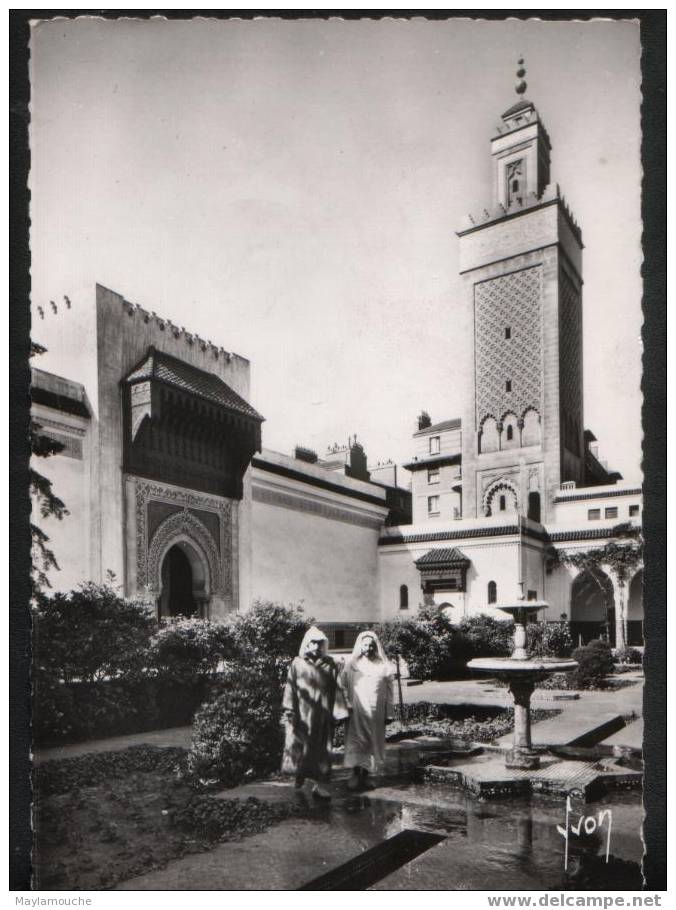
{"x":522,"y":267}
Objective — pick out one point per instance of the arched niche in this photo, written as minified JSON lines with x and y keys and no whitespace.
{"x":501,"y":499}
{"x":489,"y":440}
{"x":184,"y":581}
{"x":531,"y":432}
{"x":185,"y":532}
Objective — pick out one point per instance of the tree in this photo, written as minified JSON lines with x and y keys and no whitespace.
{"x":45,"y":500}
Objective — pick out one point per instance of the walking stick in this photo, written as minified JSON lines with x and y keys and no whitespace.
{"x":401,"y":697}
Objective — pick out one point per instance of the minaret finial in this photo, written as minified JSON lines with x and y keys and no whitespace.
{"x":521,"y":85}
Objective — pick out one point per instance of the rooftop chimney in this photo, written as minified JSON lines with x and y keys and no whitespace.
{"x":424,"y":420}
{"x":303,"y":454}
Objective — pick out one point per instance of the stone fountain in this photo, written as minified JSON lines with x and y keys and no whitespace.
{"x":521,"y":673}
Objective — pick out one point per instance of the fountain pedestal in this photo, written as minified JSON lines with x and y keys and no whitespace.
{"x":521,"y":755}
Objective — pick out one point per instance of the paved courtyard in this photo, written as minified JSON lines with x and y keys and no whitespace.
{"x":481,"y":844}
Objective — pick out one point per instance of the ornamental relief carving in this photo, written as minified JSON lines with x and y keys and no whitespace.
{"x":570,"y":365}
{"x":511,"y":475}
{"x":184,"y":522}
{"x":508,"y":302}
{"x":500,"y":487}
{"x":509,"y":238}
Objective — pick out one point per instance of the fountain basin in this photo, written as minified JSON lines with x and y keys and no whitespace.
{"x":508,"y":665}
{"x":521,"y":674}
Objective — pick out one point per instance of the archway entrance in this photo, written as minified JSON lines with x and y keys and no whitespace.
{"x":635,"y":610}
{"x":180,"y":583}
{"x":592,"y":608}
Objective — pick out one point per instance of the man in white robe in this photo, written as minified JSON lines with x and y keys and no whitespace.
{"x":368,"y":683}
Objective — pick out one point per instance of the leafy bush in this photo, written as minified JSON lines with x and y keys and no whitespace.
{"x":89,"y":634}
{"x":628,"y":655}
{"x":239,"y":734}
{"x":484,"y":636}
{"x":435,"y":649}
{"x":269,"y":630}
{"x":186,"y":649}
{"x":104,"y":667}
{"x":549,"y":639}
{"x":90,"y":649}
{"x":425,"y":642}
{"x":594,"y":663}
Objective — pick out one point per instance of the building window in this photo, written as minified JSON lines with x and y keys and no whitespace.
{"x":503,"y":503}
{"x":339,"y":638}
{"x":453,"y":584}
{"x":534,"y":506}
{"x":508,"y":385}
{"x":508,"y":332}
{"x":433,"y":505}
{"x":492,"y":592}
{"x":435,"y":445}
{"x":633,"y":511}
{"x":611,"y":512}
{"x":532,"y":595}
{"x":510,"y":432}
{"x":403,"y":597}
{"x":433,"y":475}
{"x":593,"y":514}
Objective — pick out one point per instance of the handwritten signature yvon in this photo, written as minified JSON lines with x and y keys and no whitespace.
{"x":587,"y":824}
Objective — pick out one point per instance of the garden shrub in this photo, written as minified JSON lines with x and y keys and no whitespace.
{"x":628,"y":655}
{"x":90,"y":633}
{"x":594,"y":663}
{"x":425,"y":642}
{"x":239,"y":735}
{"x":90,"y":648}
{"x":183,"y":649}
{"x":436,"y":649}
{"x":484,"y":636}
{"x":269,"y":630}
{"x":104,"y":666}
{"x":549,"y":639}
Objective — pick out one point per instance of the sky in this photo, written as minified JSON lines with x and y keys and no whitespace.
{"x":291,"y":191}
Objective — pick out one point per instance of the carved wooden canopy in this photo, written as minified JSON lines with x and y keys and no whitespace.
{"x":185,"y":426}
{"x":443,"y":569}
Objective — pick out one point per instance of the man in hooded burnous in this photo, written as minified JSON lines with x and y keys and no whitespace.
{"x":313,"y":702}
{"x":368,"y":682}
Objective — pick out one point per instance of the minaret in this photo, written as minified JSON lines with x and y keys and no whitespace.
{"x":522,"y":268}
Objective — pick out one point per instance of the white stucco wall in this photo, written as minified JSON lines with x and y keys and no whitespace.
{"x":70,"y":538}
{"x":572,"y":508}
{"x":314,"y":545}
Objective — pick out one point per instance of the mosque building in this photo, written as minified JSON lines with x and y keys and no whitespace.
{"x":171,"y":492}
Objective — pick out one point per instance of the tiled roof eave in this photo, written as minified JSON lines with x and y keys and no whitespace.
{"x":433,"y":460}
{"x":504,"y":531}
{"x":232,"y":408}
{"x":589,"y":494}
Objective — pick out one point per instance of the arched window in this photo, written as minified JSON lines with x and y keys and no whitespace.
{"x":503,"y":503}
{"x":534,"y":506}
{"x":403,"y":597}
{"x":492,"y":592}
{"x":510,"y":431}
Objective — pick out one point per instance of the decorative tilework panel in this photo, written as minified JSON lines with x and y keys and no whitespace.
{"x":570,"y":362}
{"x":515,"y":301}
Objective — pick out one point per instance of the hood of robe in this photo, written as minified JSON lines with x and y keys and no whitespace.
{"x":356,"y":650}
{"x":313,"y":634}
